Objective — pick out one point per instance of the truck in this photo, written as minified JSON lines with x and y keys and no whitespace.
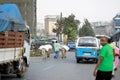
{"x":14,"y":41}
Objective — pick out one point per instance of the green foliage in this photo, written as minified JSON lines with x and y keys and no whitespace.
{"x":38,"y":53}
{"x":67,"y":25}
{"x":35,"y":53}
{"x":86,"y":29}
{"x":59,"y":25}
{"x":70,"y":27}
{"x":70,"y":21}
{"x":33,"y":36}
{"x":72,"y":33}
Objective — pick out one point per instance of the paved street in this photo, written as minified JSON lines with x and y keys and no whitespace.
{"x":58,"y":69}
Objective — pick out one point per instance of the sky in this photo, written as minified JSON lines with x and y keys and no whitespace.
{"x":93,"y":10}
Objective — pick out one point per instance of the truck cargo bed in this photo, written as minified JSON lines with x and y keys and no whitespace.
{"x":11,"y":39}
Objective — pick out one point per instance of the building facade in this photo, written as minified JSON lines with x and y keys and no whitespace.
{"x":50,"y":24}
{"x":116,"y":21}
{"x":28,"y":11}
{"x":102,"y":28}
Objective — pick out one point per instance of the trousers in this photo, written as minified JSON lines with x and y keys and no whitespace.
{"x":102,"y":75}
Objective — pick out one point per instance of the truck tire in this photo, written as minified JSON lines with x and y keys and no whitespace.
{"x":22,"y":69}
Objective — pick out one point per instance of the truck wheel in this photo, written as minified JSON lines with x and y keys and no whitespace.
{"x":21,"y":69}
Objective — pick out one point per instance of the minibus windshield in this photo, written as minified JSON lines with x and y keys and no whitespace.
{"x":87,"y":42}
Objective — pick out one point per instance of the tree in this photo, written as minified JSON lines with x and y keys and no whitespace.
{"x":59,"y":27}
{"x":86,"y":29}
{"x":68,"y":26}
{"x":72,"y":33}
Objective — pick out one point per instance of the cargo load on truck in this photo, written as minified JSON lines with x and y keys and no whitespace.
{"x":10,"y":18}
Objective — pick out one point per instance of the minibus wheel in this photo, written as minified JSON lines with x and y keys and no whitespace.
{"x":77,"y":60}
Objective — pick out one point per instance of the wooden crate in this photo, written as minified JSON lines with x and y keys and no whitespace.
{"x":11,"y":39}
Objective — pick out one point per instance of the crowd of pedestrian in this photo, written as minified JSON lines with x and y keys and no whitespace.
{"x":59,"y":48}
{"x":56,"y":47}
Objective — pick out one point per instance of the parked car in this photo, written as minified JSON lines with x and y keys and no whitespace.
{"x":37,"y":43}
{"x":71,"y":45}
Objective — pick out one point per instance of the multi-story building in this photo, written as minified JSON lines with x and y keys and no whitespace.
{"x":28,"y":11}
{"x":50,"y":24}
{"x":116,"y":21}
{"x":102,"y":28}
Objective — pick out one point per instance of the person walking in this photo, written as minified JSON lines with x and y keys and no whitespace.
{"x":116,"y":57}
{"x":57,"y":47}
{"x":44,"y":54}
{"x":116,"y":63}
{"x":116,"y":60}
{"x":63,"y":51}
{"x":104,"y":67}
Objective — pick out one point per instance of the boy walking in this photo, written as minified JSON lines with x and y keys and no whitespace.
{"x":57,"y":47}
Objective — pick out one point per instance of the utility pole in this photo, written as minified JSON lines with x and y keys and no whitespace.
{"x":61,"y":26}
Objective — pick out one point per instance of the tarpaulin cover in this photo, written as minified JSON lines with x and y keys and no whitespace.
{"x":10,"y":18}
